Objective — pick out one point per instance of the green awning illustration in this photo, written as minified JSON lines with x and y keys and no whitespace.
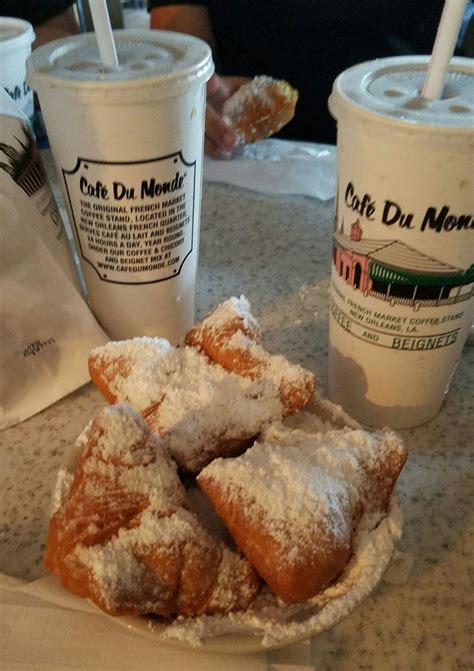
{"x":381,"y":273}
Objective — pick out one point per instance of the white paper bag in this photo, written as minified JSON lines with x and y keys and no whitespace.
{"x":46,"y":327}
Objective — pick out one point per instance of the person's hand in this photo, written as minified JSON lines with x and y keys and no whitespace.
{"x":220,"y":139}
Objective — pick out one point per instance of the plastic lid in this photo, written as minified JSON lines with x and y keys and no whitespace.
{"x":15,"y":33}
{"x":145,"y":58}
{"x":390,"y":89}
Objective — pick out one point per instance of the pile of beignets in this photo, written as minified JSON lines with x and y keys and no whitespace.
{"x":125,"y":534}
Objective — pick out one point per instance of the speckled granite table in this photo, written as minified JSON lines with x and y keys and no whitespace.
{"x":276,"y":251}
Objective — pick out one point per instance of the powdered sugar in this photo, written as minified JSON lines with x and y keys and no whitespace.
{"x":63,"y":484}
{"x":257,"y":88}
{"x":228,"y":311}
{"x":121,"y":438}
{"x":65,"y":474}
{"x":228,"y":336}
{"x":256,"y":100}
{"x":198,"y":404}
{"x":229,"y":589}
{"x":115,"y":566}
{"x":275,"y":485}
{"x":273,"y":623}
{"x":135,"y":542}
{"x":294,"y":482}
{"x":206,"y":405}
{"x":123,"y":451}
{"x":270,"y":622}
{"x":274,"y":367}
{"x":320,"y":416}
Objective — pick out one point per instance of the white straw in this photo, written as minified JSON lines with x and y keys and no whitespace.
{"x":103,"y":31}
{"x":443,"y":49}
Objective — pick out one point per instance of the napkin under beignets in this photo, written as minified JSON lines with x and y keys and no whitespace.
{"x":291,"y":502}
{"x":211,"y":398}
{"x":124,"y":538}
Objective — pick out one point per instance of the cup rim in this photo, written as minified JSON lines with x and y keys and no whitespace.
{"x":351,"y":95}
{"x":26,"y":36}
{"x":196,"y":66}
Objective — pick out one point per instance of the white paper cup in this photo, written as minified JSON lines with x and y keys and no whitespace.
{"x":402,"y":273}
{"x":16,"y":37}
{"x":128,"y":146}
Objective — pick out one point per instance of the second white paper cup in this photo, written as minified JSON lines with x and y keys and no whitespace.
{"x":128,"y":146}
{"x":403,"y":253}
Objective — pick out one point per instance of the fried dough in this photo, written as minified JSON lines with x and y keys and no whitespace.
{"x":260,"y":108}
{"x":123,"y":535}
{"x":292,"y":501}
{"x":211,"y":397}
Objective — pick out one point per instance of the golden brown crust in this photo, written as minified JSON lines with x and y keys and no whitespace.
{"x":230,"y":338}
{"x":215,"y":344}
{"x":102,"y":375}
{"x":147,"y":374}
{"x":321,"y":562}
{"x":296,"y":395}
{"x":260,"y":108}
{"x":123,"y":536}
{"x":381,"y":478}
{"x":293,"y":501}
{"x":203,"y":410}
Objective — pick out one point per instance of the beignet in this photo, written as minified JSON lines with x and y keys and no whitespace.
{"x":203,"y":396}
{"x":260,"y":108}
{"x":292,"y":500}
{"x":124,"y":538}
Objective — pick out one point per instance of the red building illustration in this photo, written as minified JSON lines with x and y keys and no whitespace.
{"x":351,"y":260}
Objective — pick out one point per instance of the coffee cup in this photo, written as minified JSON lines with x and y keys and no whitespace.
{"x":128,"y":147}
{"x":16,"y":37}
{"x":403,"y":253}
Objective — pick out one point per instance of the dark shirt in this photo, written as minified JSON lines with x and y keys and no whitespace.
{"x":309,"y":42}
{"x":34,"y":11}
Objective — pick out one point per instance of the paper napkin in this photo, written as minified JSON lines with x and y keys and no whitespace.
{"x":279,"y":167}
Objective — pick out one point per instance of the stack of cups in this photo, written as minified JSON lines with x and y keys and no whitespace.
{"x":128,"y":146}
{"x":403,"y":252}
